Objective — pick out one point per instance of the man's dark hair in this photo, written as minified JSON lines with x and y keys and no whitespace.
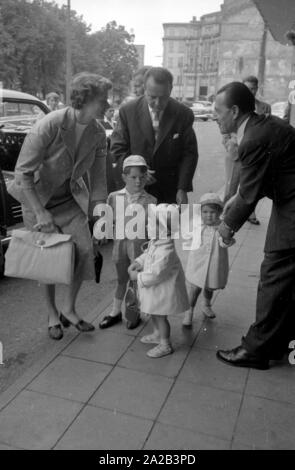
{"x":236,"y":93}
{"x":87,"y":86}
{"x":142,"y":71}
{"x":161,"y":76}
{"x":251,"y":79}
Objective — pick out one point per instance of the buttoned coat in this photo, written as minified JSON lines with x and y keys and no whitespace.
{"x":173,"y":155}
{"x":161,"y":284}
{"x":48,"y":158}
{"x":267,"y":158}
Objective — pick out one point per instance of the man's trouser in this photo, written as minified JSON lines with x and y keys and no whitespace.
{"x":274,"y":328}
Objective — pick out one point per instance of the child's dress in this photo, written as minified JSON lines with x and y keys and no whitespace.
{"x":161,"y":284}
{"x":207,"y":265}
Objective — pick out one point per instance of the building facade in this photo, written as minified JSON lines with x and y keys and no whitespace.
{"x":225,"y":46}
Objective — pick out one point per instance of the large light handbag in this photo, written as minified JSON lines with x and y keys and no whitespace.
{"x":45,"y":257}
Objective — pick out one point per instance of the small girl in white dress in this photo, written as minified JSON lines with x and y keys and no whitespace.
{"x":207,"y":266}
{"x":161,"y":282}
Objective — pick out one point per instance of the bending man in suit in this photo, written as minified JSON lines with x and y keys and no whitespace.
{"x":161,"y":130}
{"x":267,"y":157}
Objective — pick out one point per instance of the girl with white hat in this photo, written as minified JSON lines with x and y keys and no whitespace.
{"x":160,"y":278}
{"x":207,"y":266}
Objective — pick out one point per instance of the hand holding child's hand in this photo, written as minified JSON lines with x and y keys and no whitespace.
{"x":134,"y":268}
{"x":222,"y":243}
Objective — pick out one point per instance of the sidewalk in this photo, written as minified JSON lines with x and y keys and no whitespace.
{"x":101,"y":391}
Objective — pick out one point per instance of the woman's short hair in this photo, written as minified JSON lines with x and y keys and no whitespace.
{"x":52,"y":94}
{"x":87,"y":86}
{"x":161,"y":75}
{"x":236,"y":93}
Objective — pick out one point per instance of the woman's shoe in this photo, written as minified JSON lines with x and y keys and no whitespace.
{"x":84,"y":326}
{"x":64,"y":321}
{"x":55,"y":332}
{"x":110,"y":321}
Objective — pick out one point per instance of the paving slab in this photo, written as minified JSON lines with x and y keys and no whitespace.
{"x":99,"y":429}
{"x":277,"y":383}
{"x":266,"y":424}
{"x":202,"y":409}
{"x":101,"y":346}
{"x":214,"y":336}
{"x":133,"y":392}
{"x":71,"y":378}
{"x":202,"y":368}
{"x":163,"y":437}
{"x":36,"y":421}
{"x":169,"y":366}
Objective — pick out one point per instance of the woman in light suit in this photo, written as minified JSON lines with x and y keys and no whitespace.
{"x":59,"y":177}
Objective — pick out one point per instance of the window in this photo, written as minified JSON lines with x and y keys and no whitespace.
{"x":170,"y":62}
{"x":181,"y":46}
{"x":171,"y":46}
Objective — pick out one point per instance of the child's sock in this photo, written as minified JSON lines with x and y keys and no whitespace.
{"x":188,"y":317}
{"x":116,"y":309}
{"x":165,"y":341}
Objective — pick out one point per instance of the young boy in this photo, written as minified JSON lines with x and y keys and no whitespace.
{"x":126,"y":250}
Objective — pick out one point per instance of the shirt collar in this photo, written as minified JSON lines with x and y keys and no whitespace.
{"x":241,"y":130}
{"x":152,"y":112}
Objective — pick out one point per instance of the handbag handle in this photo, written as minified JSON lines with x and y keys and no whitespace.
{"x":57,"y":227}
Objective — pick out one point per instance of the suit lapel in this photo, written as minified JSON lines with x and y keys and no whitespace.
{"x":166,"y":123}
{"x":144,"y":120}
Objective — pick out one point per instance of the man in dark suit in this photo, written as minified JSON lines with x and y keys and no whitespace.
{"x":267,"y":156}
{"x":260,"y":108}
{"x":161,"y":130}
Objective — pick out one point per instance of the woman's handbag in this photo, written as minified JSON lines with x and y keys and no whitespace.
{"x":45,"y":257}
{"x":132,"y":310}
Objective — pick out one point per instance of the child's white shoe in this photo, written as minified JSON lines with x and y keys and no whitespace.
{"x":207,"y":311}
{"x":188,"y":320}
{"x":153,"y":338}
{"x":160,"y":350}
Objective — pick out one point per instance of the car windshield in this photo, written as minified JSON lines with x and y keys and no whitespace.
{"x":19,"y":116}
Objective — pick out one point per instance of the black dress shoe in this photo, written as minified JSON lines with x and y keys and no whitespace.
{"x":110,"y":321}
{"x":240,"y":357}
{"x":55,"y":332}
{"x":64,"y":321}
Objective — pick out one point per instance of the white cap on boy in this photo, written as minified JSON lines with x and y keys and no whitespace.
{"x":134,"y":160}
{"x":211,"y":198}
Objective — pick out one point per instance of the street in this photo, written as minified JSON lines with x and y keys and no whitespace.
{"x":23,"y":323}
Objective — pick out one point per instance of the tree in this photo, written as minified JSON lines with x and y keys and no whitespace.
{"x":114,"y":55}
{"x":33,"y":48}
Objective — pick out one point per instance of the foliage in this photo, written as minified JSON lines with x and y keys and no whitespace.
{"x":33,"y":48}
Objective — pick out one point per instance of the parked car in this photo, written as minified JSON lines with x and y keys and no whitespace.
{"x":18,"y":112}
{"x":278,"y":109}
{"x":203,"y":110}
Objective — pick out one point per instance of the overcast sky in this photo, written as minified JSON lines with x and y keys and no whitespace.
{"x":145,"y":17}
